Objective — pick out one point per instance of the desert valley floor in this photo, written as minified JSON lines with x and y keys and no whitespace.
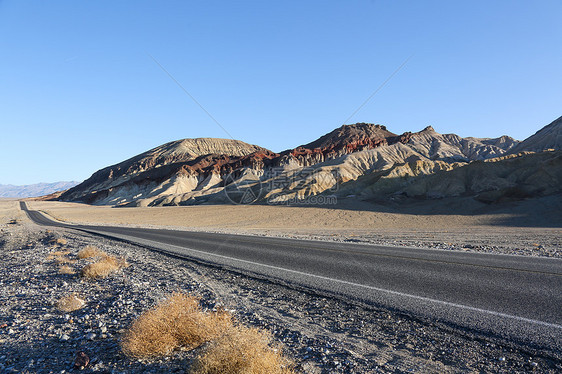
{"x":528,"y":227}
{"x":321,"y":334}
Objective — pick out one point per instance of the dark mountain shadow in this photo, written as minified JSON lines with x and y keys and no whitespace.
{"x":531,"y":212}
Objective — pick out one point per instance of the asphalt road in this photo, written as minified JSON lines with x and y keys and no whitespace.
{"x":513,"y":297}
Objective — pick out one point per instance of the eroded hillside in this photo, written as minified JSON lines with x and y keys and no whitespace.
{"x":363,"y":160}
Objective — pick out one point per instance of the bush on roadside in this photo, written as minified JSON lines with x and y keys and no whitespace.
{"x":179,"y":322}
{"x":89,"y":251}
{"x":60,"y":242}
{"x":56,"y":254}
{"x":65,"y":269}
{"x":103,"y":267}
{"x":176,"y":322}
{"x":242,"y":350}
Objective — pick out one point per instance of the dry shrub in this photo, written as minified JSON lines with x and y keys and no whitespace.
{"x":89,"y":251}
{"x":70,"y":303}
{"x":56,"y":242}
{"x":176,"y":322}
{"x":59,"y":253}
{"x":103,"y":267}
{"x":65,"y":269}
{"x":61,"y":241}
{"x":242,"y":350}
{"x":56,"y":254}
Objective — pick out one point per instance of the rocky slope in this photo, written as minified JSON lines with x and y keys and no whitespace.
{"x":426,"y":151}
{"x":363,"y":160}
{"x":149,"y":172}
{"x":501,"y":179}
{"x":549,"y":137}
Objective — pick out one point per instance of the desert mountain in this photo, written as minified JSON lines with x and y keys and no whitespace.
{"x":195,"y":171}
{"x":32,"y":190}
{"x":500,"y":179}
{"x":408,"y":155}
{"x":141,"y":172}
{"x":549,"y":137}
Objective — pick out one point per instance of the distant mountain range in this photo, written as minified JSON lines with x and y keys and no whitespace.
{"x":33,"y":190}
{"x":362,"y":161}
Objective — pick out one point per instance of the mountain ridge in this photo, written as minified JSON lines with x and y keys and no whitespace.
{"x":194,"y":171}
{"x":34,"y":190}
{"x":549,"y":137}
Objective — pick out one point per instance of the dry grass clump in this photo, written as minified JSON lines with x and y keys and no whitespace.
{"x":242,"y":350}
{"x":89,"y":251}
{"x":60,"y":241}
{"x":60,"y":257}
{"x":56,"y":254}
{"x":57,"y":242}
{"x":103,"y":267}
{"x":179,"y":322}
{"x":176,"y":322}
{"x":65,"y":269}
{"x":70,"y":303}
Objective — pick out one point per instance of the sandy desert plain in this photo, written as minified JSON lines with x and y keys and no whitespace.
{"x":531,"y":227}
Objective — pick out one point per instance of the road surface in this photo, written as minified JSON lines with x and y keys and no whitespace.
{"x":513,"y":297}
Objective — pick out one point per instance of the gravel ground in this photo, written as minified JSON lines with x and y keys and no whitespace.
{"x":321,"y":334}
{"x":539,"y":242}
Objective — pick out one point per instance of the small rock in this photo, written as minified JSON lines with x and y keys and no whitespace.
{"x":81,"y":361}
{"x":64,"y":337}
{"x":91,"y":336}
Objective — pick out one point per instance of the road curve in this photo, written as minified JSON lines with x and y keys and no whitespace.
{"x":513,"y":297}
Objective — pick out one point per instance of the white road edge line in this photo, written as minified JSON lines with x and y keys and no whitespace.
{"x":422,"y":298}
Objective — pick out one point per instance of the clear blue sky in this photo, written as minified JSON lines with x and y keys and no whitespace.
{"x":79,"y":92}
